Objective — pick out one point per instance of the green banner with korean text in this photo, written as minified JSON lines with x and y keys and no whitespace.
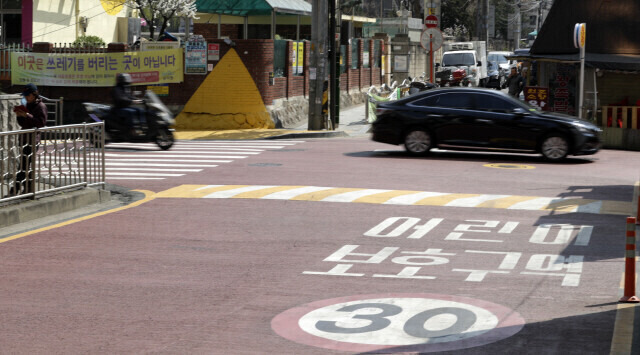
{"x":97,"y":69}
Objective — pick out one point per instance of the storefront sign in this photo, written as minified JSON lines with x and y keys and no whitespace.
{"x":537,"y":96}
{"x":96,"y":69}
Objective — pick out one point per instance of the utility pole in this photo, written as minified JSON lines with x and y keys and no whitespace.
{"x":317,"y":63}
{"x":334,"y":78}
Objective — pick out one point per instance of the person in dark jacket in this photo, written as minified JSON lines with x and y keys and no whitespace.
{"x":35,"y":116}
{"x":122,"y":101}
{"x":514,"y":83}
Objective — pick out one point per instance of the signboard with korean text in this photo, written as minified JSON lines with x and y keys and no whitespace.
{"x":158,"y":45}
{"x":195,"y":57}
{"x":96,"y":69}
{"x":537,"y":96}
{"x":300,"y":56}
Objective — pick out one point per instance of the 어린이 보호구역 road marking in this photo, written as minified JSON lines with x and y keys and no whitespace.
{"x":397,"y":197}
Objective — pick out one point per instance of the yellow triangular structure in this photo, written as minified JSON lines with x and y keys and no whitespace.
{"x":227,"y":99}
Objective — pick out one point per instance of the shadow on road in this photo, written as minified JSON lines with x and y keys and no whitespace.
{"x":472,"y":157}
{"x":583,"y":334}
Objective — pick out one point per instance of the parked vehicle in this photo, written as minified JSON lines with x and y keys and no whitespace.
{"x":481,"y":119}
{"x":468,"y":56}
{"x":501,"y":57}
{"x":449,"y":77}
{"x":496,"y":78}
{"x":156,"y":128}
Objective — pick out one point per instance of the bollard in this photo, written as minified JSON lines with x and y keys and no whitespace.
{"x":630,"y":264}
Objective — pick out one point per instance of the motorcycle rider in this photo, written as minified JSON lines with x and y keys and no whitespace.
{"x":514,"y":83}
{"x":127,"y":117}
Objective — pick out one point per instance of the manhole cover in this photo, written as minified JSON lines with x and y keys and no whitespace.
{"x":509,"y":166}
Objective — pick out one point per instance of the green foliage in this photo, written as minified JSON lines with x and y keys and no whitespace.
{"x":88,"y":41}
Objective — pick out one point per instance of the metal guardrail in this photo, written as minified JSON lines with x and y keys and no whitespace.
{"x":38,"y":161}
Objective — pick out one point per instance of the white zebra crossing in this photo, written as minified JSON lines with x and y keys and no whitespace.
{"x":144,"y":161}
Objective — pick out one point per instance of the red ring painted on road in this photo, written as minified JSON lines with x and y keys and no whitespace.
{"x":289,"y":324}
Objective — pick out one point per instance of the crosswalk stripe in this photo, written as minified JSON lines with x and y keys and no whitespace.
{"x":125,"y":160}
{"x":108,"y":173}
{"x":175,"y":160}
{"x":175,"y":156}
{"x":109,"y":164}
{"x":157,"y":169}
{"x":398,"y":197}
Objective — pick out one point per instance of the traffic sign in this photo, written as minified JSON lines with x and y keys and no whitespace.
{"x":431,"y":21}
{"x":431,"y":36}
{"x":419,"y":322}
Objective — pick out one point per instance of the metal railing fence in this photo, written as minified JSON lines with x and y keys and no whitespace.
{"x":34,"y":162}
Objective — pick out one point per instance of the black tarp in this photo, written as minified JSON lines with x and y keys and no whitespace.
{"x":613,"y":40}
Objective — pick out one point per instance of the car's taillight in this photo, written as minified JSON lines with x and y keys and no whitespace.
{"x":381,"y":111}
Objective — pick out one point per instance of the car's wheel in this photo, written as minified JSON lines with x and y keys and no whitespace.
{"x":417,"y":141}
{"x":554,"y":147}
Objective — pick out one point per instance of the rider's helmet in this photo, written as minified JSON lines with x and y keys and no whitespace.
{"x":123,"y":79}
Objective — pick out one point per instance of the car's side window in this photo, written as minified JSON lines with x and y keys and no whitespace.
{"x":493,"y":104}
{"x":427,"y":101}
{"x":455,"y":100}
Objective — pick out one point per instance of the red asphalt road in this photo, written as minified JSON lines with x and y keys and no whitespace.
{"x":210,"y":275}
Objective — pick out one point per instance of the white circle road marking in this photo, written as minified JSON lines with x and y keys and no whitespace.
{"x":404,"y":322}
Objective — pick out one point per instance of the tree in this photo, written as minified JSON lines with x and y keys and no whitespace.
{"x":161,"y":11}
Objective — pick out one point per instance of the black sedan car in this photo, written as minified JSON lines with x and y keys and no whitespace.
{"x":481,"y":119}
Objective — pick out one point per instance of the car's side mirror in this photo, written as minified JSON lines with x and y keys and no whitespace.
{"x":479,"y":63}
{"x":437,"y":65}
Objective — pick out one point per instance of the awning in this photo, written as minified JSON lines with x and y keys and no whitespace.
{"x":253,"y":7}
{"x":617,"y":62}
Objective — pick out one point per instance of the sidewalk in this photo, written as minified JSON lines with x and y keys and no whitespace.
{"x":352,"y":124}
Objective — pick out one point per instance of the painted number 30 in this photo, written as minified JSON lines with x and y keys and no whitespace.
{"x":403,"y":321}
{"x":420,"y":322}
{"x":415,"y":326}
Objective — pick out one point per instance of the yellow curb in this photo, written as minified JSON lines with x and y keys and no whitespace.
{"x":233,"y":134}
{"x":148,"y":196}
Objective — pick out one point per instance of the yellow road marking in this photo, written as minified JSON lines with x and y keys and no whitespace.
{"x":442,"y":200}
{"x":319,"y":195}
{"x":568,"y":204}
{"x":505,"y":202}
{"x":623,"y":328}
{"x":264,"y":192}
{"x":149,"y":195}
{"x":383,"y":197}
{"x":195,"y":191}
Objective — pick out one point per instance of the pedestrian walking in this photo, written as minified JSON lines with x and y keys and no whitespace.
{"x":31,"y":115}
{"x":514,"y":83}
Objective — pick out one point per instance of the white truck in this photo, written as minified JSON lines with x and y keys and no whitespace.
{"x":470,"y":56}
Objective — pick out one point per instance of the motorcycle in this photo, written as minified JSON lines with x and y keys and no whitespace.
{"x":156,"y":128}
{"x":453,"y":77}
{"x":419,"y":85}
